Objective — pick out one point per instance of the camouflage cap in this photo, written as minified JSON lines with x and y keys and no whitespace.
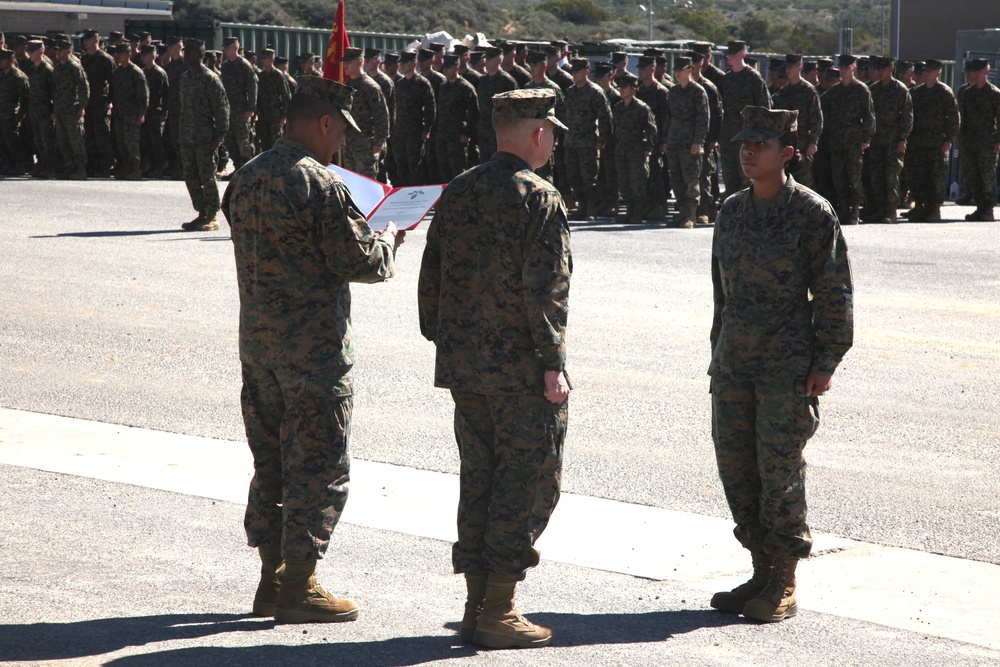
{"x":114,"y":34}
{"x":508,"y":47}
{"x":535,"y":58}
{"x":653,"y":53}
{"x":761,"y":124}
{"x":5,"y":54}
{"x":735,"y":46}
{"x":372,"y":53}
{"x":306,"y":57}
{"x":703,"y":48}
{"x":775,"y":63}
{"x":579,"y":64}
{"x":119,"y":49}
{"x":476,"y":56}
{"x":173,"y":39}
{"x":33,"y":45}
{"x":280,"y":60}
{"x":933,"y":65}
{"x":846,"y":60}
{"x":491,"y":52}
{"x":977,"y":65}
{"x":646,"y":61}
{"x":391,"y":58}
{"x":144,"y":35}
{"x":408,"y":56}
{"x":824,"y":63}
{"x":919,"y":67}
{"x":61,"y":45}
{"x":147,"y":50}
{"x":90,"y":33}
{"x":192,"y":43}
{"x":695,"y":57}
{"x":793,"y":58}
{"x":460,"y":49}
{"x":681,"y":62}
{"x":438,"y":47}
{"x":351,"y":54}
{"x":265,"y":54}
{"x":552,"y":51}
{"x":603,"y":69}
{"x":808,"y":66}
{"x":904,"y":66}
{"x":527,"y":104}
{"x":618,"y":56}
{"x":832,"y":73}
{"x":161,"y":49}
{"x":450,"y":60}
{"x":132,"y":37}
{"x":751,"y":61}
{"x":559,"y":43}
{"x":328,"y":90}
{"x":626,"y":80}
{"x":424,"y":55}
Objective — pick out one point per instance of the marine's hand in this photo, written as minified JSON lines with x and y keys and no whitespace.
{"x":818,"y":383}
{"x":556,"y":387}
{"x":397,"y":235}
{"x":812,"y":149}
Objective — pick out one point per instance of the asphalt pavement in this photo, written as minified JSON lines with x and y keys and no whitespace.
{"x":113,"y":315}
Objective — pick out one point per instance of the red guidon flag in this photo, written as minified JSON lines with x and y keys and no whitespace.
{"x":333,"y":63}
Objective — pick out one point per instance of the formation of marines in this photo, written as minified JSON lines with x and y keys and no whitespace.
{"x":875,"y":135}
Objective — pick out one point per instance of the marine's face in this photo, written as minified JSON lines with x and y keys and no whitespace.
{"x":760,"y":159}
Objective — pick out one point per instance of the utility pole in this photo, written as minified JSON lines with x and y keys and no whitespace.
{"x":649,"y":13}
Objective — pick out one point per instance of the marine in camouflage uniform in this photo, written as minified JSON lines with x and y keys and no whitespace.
{"x":43,"y":131}
{"x":635,"y":140}
{"x":299,"y":240}
{"x":15,"y":158}
{"x":129,"y":99}
{"x":416,"y":112}
{"x":851,"y":120}
{"x":741,"y":87}
{"x":684,"y":135}
{"x":175,"y":70}
{"x":494,"y":82}
{"x":709,"y":181}
{"x":606,"y":175}
{"x":204,"y":119}
{"x":457,"y":120}
{"x":521,"y":75}
{"x":654,"y":95}
{"x":240,"y":82}
{"x":373,"y":58}
{"x":935,"y":124}
{"x":100,"y":67}
{"x":979,"y":139}
{"x":467,"y":58}
{"x":537,"y":63}
{"x":70,"y":93}
{"x":273,"y":95}
{"x":154,"y":150}
{"x":424,"y":59}
{"x":783,"y":321}
{"x":800,"y":95}
{"x":893,"y":123}
{"x":588,"y":116}
{"x":361,"y":154}
{"x":493,"y":296}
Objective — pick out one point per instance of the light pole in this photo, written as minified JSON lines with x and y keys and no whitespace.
{"x":649,"y":13}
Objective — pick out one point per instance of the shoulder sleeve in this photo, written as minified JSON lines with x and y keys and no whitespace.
{"x":548,"y":265}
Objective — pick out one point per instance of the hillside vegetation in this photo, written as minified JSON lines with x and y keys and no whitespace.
{"x":811,"y":26}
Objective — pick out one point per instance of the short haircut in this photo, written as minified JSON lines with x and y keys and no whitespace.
{"x":509,"y":125}
{"x":308,"y":108}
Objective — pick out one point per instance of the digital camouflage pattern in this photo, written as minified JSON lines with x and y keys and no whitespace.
{"x":607,"y":175}
{"x":710,"y":158}
{"x":240,"y":83}
{"x":389,"y":93}
{"x":490,"y":85}
{"x":130,"y":97}
{"x":204,"y":120}
{"x":299,"y":240}
{"x":767,"y":336}
{"x":851,"y":123}
{"x":372,"y":116}
{"x":635,"y":134}
{"x":43,"y":131}
{"x":70,"y":93}
{"x":802,"y":97}
{"x":738,"y":90}
{"x":415,"y":114}
{"x":547,"y":171}
{"x":935,"y":123}
{"x":588,"y":117}
{"x":100,"y":68}
{"x":154,"y":150}
{"x":175,"y":70}
{"x":493,"y":296}
{"x":686,"y":125}
{"x":14,"y":96}
{"x":457,"y":116}
{"x":511,"y":450}
{"x":893,"y":123}
{"x":273,"y":96}
{"x":977,"y":137}
{"x":655,"y":96}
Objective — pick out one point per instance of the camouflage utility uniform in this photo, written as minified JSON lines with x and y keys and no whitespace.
{"x":935,"y":123}
{"x":768,"y":258}
{"x":416,"y":111}
{"x":851,"y":122}
{"x":130,"y":98}
{"x":40,"y":92}
{"x":978,"y":138}
{"x":738,"y":90}
{"x":686,"y":126}
{"x":240,"y":83}
{"x":299,"y":240}
{"x":372,"y":116}
{"x":802,"y":97}
{"x":635,"y":134}
{"x":893,"y":123}
{"x":588,"y":117}
{"x":457,"y":115}
{"x":204,"y":119}
{"x":100,"y":67}
{"x":273,"y":95}
{"x":490,"y":85}
{"x":70,"y":92}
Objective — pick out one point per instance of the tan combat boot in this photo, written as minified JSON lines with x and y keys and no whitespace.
{"x":267,"y":589}
{"x":302,"y":600}
{"x":501,"y":625}
{"x":475,"y":584}
{"x":777,"y":601}
{"x":206,"y":225}
{"x":732,"y":602}
{"x":193,"y":223}
{"x":688,"y":215}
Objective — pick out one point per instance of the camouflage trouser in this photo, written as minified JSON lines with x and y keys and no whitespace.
{"x":174,"y":140}
{"x":707,"y":180}
{"x":656,"y":192}
{"x":845,"y":168}
{"x":452,"y":157}
{"x":43,"y":131}
{"x":431,"y":171}
{"x":127,"y":133}
{"x":358,"y":157}
{"x":732,"y":172}
{"x":559,"y":176}
{"x":100,"y":143}
{"x":268,"y":131}
{"x":685,"y":174}
{"x":199,"y":162}
{"x":804,"y":175}
{"x":581,"y":171}
{"x":408,"y":151}
{"x":70,"y":141}
{"x":154,"y":151}
{"x":883,"y":170}
{"x":239,"y":138}
{"x":823,"y":176}
{"x":487,"y":143}
{"x":607,"y":178}
{"x":760,"y":430}
{"x":12,"y":149}
{"x":925,"y":169}
{"x":511,"y":468}
{"x":979,"y":170}
{"x":298,"y":431}
{"x":632,"y":169}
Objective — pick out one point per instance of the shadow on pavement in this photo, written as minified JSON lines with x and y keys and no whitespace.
{"x":32,"y":642}
{"x":97,"y":235}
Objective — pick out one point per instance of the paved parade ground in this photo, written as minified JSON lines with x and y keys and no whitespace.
{"x":124,"y":466}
